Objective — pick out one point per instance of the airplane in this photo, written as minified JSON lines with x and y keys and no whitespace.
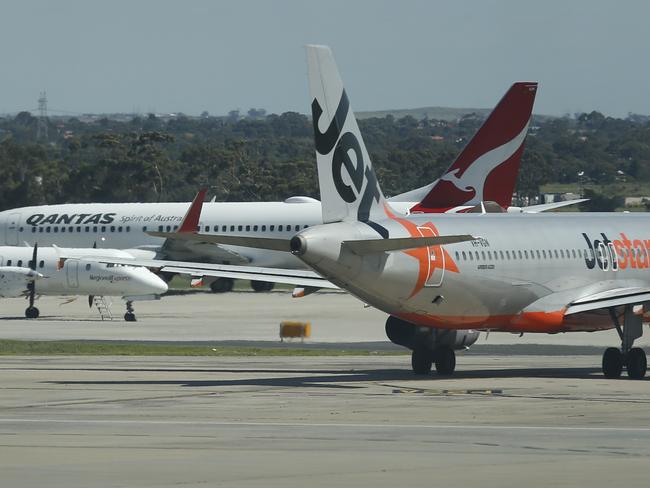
{"x":440,"y":277}
{"x":43,"y":271}
{"x":486,"y":169}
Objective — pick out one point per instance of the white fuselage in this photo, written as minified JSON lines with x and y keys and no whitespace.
{"x":125,"y":226}
{"x":81,"y":273}
{"x":494,"y":282}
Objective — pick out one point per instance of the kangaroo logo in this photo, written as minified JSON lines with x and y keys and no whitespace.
{"x":343,"y":145}
{"x":471,"y":179}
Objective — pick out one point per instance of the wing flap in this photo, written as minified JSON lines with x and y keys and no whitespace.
{"x":611,"y":298}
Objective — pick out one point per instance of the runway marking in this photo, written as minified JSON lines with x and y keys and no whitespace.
{"x":235,"y":423}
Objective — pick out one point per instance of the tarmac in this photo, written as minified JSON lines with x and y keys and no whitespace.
{"x":505,"y":419}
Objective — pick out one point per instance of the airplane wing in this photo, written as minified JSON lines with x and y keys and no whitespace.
{"x":545,"y":207}
{"x":298,"y":277}
{"x":615,"y":297}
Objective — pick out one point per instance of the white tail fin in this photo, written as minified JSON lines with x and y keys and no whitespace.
{"x":348,"y":186}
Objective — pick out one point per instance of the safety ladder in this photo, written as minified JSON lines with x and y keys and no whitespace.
{"x":103,"y":307}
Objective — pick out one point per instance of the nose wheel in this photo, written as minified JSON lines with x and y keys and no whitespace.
{"x":32,"y":312}
{"x":632,"y":358}
{"x":129,"y":316}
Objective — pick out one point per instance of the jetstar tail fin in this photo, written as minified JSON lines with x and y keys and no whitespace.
{"x":348,"y":184}
{"x":487,"y":168}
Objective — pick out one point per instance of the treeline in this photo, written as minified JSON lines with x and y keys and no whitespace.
{"x":272,"y":157}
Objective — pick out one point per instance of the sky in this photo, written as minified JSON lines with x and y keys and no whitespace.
{"x":197,"y":55}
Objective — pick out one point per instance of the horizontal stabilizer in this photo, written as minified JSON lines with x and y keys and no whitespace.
{"x":402,"y":243}
{"x":545,"y":207}
{"x":244,"y":241}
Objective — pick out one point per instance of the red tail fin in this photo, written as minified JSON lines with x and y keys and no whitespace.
{"x":190,"y":222}
{"x":487,"y":168}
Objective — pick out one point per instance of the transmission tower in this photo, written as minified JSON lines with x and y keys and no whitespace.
{"x":41,"y":126}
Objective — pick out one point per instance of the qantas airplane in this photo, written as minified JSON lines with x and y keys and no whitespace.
{"x":441,"y":277}
{"x":43,"y":271}
{"x":485,"y":170}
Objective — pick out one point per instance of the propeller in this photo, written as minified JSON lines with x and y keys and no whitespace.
{"x":31,"y":286}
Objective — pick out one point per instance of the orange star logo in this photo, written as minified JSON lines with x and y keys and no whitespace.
{"x":432,"y":258}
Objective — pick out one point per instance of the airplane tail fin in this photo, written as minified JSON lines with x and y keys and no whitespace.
{"x":348,"y":184}
{"x":487,"y":168}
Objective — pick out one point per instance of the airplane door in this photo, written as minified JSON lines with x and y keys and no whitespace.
{"x":11,"y":229}
{"x":72,"y":273}
{"x":436,"y":261}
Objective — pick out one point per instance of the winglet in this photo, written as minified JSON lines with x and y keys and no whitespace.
{"x":190,"y":222}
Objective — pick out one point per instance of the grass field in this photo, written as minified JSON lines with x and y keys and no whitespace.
{"x":83,"y":348}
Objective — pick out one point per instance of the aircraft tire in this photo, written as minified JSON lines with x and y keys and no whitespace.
{"x":612,"y":363}
{"x":445,"y":360}
{"x":222,"y":285}
{"x":261,"y":286}
{"x":129,"y":317}
{"x":421,"y":360}
{"x":32,"y":313}
{"x":637,"y":363}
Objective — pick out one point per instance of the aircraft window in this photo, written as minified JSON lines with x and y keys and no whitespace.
{"x":103,"y":228}
{"x":557,"y":256}
{"x":483,"y":255}
{"x":471,"y":257}
{"x":224,"y":228}
{"x":490,"y":255}
{"x":40,"y":229}
{"x":280,"y":228}
{"x":544,"y":254}
{"x":207,"y":228}
{"x":55,"y":229}
{"x":70,"y":229}
{"x":78,"y":228}
{"x":525,"y":254}
{"x":508,"y":255}
{"x":520,"y":255}
{"x":264,"y":228}
{"x":240,"y":227}
{"x":94,"y":228}
{"x":8,"y":262}
{"x":19,"y":263}
{"x":232,"y":228}
{"x":175,"y":228}
{"x":562,"y":253}
{"x":255,"y":228}
{"x":20,"y":229}
{"x":119,"y":229}
{"x":41,"y":264}
{"x":477,"y":256}
{"x":62,"y":229}
{"x":128,"y":228}
{"x":33,"y":230}
{"x":501,"y":254}
{"x":30,"y":264}
{"x":248,"y":228}
{"x":573,"y":252}
{"x":160,"y":228}
{"x":457,"y":256}
{"x":464,"y":256}
{"x":47,"y":229}
{"x":271,"y":228}
{"x":87,"y":229}
{"x":88,"y":267}
{"x":169,"y":228}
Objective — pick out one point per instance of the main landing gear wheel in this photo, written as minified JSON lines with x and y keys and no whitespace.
{"x":32,"y":313}
{"x":612,"y":363}
{"x":421,"y":360}
{"x":222,"y":285}
{"x":637,"y":363}
{"x":261,"y":286}
{"x":445,"y":359}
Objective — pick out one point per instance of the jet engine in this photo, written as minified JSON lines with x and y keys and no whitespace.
{"x":411,"y":336}
{"x":14,"y":281}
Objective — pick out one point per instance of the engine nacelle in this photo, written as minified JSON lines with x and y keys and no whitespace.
{"x":14,"y":280}
{"x":410,"y":335}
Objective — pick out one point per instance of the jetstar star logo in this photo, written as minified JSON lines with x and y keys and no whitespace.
{"x":433,"y":260}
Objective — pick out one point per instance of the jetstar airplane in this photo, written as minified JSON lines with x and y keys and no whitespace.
{"x":42,"y":271}
{"x":442,"y":277}
{"x":486,"y":169}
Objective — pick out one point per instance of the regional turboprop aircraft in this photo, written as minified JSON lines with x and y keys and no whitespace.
{"x":42,"y":271}
{"x":486,"y":169}
{"x":442,"y":277}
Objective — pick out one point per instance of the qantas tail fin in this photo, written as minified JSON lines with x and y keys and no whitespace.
{"x":487,"y":168}
{"x":348,"y":185}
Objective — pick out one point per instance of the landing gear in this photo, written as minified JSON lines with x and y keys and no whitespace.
{"x":633,"y":358}
{"x":129,"y":316}
{"x":261,"y":286}
{"x":222,"y":285}
{"x":445,"y":359}
{"x":421,"y":360}
{"x":32,"y":312}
